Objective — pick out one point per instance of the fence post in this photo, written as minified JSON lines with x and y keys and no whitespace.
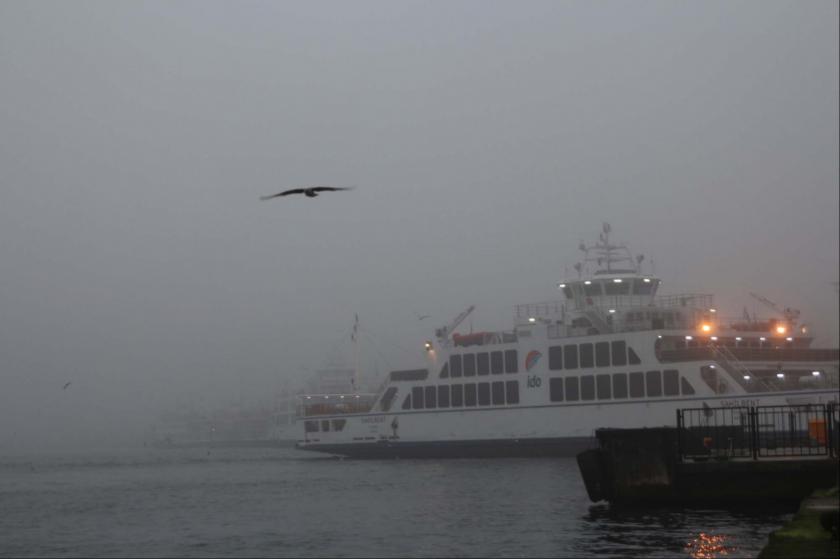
{"x":754,"y":432}
{"x":679,"y":435}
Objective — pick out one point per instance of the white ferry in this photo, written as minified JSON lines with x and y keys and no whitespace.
{"x":611,"y":353}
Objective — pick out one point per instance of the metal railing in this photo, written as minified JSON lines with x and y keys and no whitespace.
{"x":757,"y":432}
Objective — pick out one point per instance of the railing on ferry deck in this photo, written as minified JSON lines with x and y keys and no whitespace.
{"x":334,"y":404}
{"x":750,"y":354}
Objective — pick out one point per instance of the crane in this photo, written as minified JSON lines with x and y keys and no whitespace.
{"x":443,"y":332}
{"x":791,"y":315}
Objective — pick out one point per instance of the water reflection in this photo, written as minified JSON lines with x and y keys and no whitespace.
{"x":708,"y":546}
{"x":621,"y":531}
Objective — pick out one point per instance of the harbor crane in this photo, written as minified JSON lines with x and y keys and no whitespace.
{"x":791,"y":315}
{"x":444,"y":331}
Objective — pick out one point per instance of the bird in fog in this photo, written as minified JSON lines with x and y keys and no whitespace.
{"x":421,"y":316}
{"x":309,"y":191}
{"x":66,"y":385}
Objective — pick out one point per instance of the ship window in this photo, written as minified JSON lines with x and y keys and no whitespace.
{"x":444,"y":372}
{"x":603,"y":386}
{"x":654,"y":383}
{"x":593,"y":289}
{"x":567,"y":291}
{"x":587,"y":360}
{"x":511,"y":361}
{"x":637,"y":385}
{"x":633,"y":359}
{"x":671,"y":382}
{"x":498,"y":393}
{"x":469,"y":365}
{"x":483,"y":362}
{"x":512,"y":389}
{"x":613,"y":288}
{"x":469,"y":394}
{"x":310,"y":426}
{"x":417,"y":398}
{"x":642,"y":287}
{"x":587,"y":387}
{"x":496,"y":363}
{"x":455,"y":365}
{"x":338,"y":424}
{"x":555,"y":389}
{"x":619,"y":353}
{"x":571,"y":389}
{"x":620,"y":385}
{"x":388,"y":398}
{"x":686,"y":386}
{"x":483,"y":393}
{"x":406,"y":405}
{"x":457,"y":395}
{"x":570,"y":359}
{"x":602,"y":354}
{"x":555,"y":357}
{"x":443,"y":396}
{"x":431,"y":397}
{"x":325,"y":425}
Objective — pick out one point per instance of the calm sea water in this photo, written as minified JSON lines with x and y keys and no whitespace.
{"x":284,"y":502}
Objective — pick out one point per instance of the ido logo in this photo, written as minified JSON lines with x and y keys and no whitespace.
{"x":534,"y":382}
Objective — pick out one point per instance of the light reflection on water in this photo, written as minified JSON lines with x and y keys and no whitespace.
{"x":708,"y":546}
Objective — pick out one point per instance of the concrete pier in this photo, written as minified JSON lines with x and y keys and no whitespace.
{"x":646,"y":466}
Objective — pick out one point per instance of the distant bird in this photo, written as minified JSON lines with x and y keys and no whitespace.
{"x":66,"y":385}
{"x":309,"y":192}
{"x":421,"y":316}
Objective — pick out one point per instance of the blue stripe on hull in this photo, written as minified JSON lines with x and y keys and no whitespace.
{"x":497,"y":448}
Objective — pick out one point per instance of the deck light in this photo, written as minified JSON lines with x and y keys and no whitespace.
{"x":762,"y":339}
{"x":646,"y":280}
{"x":706,"y":327}
{"x":815,"y":373}
{"x":617,"y":280}
{"x":789,"y":339}
{"x":738,"y":338}
{"x":531,"y":319}
{"x":780,"y":329}
{"x":712,"y":310}
{"x":804,"y":330}
{"x":714,"y":338}
{"x":428,"y":345}
{"x":689,"y":338}
{"x":746,"y":377}
{"x":659,"y":337}
{"x":561,"y":285}
{"x":780,"y":375}
{"x":711,"y":366}
{"x":612,"y":311}
{"x":587,"y":282}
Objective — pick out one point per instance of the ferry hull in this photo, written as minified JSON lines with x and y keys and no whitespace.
{"x":494,"y":448}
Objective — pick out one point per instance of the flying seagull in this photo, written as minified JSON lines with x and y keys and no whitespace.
{"x":421,"y":316}
{"x":66,"y":385}
{"x":309,"y":191}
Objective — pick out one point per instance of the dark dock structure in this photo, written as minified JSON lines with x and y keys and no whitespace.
{"x":732,"y":455}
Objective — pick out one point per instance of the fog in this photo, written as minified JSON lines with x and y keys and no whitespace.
{"x":485,"y":141}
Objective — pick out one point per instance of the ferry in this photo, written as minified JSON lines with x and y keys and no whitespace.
{"x":611,"y":352}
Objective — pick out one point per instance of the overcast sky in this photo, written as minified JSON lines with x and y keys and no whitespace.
{"x":486,"y":139}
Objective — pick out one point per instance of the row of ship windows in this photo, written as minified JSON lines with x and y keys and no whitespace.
{"x":621,"y":385}
{"x":600,"y":354}
{"x":325,"y":425}
{"x":485,"y":363}
{"x":459,"y":395}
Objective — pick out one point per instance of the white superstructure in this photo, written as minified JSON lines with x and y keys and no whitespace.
{"x":611,"y":353}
